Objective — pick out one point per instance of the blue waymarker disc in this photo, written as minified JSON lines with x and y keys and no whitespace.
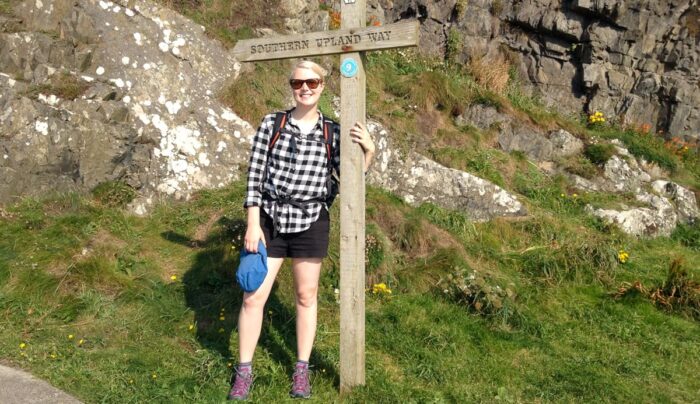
{"x":349,"y":67}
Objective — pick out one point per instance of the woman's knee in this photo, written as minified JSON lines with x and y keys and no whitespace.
{"x":307,"y":297}
{"x":254,"y":301}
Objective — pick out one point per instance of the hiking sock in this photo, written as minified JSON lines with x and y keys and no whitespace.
{"x":245,"y":367}
{"x":301,"y":363}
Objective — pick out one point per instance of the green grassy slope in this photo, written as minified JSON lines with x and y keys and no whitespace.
{"x":151,"y":306}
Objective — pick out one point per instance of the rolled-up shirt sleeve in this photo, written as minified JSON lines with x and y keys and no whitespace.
{"x":258,"y":162}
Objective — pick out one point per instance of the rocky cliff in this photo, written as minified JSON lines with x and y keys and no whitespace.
{"x":635,"y":60}
{"x":93,"y":91}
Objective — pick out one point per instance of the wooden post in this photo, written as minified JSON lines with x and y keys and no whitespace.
{"x":352,"y":213}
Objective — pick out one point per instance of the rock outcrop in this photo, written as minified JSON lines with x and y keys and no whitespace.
{"x":635,"y":60}
{"x":146,"y":111}
{"x":93,"y":91}
{"x":418,"y":179}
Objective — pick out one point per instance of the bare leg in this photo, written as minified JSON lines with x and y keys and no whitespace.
{"x":306,"y":275}
{"x":251,"y":314}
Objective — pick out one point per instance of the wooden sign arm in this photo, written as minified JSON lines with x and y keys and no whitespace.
{"x":396,"y":35}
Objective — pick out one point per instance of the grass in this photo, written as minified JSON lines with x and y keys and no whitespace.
{"x":63,"y":85}
{"x":70,"y":265}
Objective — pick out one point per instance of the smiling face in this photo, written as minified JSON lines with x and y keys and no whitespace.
{"x":306,"y":96}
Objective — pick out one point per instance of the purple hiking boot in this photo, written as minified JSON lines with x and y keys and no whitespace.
{"x":301,"y":386}
{"x":241,"y":385}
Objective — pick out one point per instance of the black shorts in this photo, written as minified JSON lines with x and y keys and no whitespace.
{"x":310,"y":243}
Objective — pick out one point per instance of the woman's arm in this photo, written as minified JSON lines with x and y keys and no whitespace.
{"x":254,"y":232}
{"x":256,"y":175}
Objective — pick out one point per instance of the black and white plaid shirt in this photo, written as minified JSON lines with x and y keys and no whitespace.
{"x":297,"y":172}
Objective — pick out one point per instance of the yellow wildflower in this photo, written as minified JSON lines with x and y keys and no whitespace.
{"x":191,"y":327}
{"x":22,"y":345}
{"x":173,"y":278}
{"x":380,"y":288}
{"x":222,"y":318}
{"x":623,"y":256}
{"x":81,"y":342}
{"x":154,"y":376}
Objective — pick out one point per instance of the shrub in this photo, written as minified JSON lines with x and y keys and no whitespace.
{"x":581,"y":166}
{"x":478,"y":293}
{"x":114,"y":194}
{"x":599,"y":153}
{"x":691,"y":21}
{"x":563,"y":260}
{"x":454,"y":45}
{"x":678,"y":293}
{"x":492,"y":74}
{"x":376,"y":254}
{"x":496,"y":7}
{"x":63,"y":85}
{"x":461,"y":8}
{"x":688,"y":235}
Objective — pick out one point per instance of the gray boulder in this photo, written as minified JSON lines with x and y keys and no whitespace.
{"x":149,"y":115}
{"x":659,"y":219}
{"x":418,"y":179}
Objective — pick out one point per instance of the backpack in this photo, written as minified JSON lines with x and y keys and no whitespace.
{"x":329,"y":125}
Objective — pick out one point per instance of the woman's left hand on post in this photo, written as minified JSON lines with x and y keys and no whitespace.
{"x":360,"y":135}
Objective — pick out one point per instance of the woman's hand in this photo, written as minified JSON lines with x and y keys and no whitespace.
{"x":253,"y":235}
{"x":360,"y":135}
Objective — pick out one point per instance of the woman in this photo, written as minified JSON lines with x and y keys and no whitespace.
{"x":290,"y":189}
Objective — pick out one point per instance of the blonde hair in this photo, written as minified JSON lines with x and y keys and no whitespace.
{"x":307,"y":64}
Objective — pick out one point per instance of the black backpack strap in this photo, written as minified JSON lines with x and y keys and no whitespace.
{"x":281,"y":119}
{"x":328,"y":139}
{"x":329,"y":127}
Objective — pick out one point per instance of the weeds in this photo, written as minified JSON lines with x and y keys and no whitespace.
{"x":478,"y":293}
{"x":454,"y":46}
{"x":230,"y":20}
{"x":678,"y":293}
{"x":5,"y":7}
{"x":599,"y":153}
{"x":644,"y":145}
{"x":492,"y":74}
{"x":564,"y":260}
{"x":63,"y":85}
{"x":114,"y":194}
{"x":581,"y":166}
{"x":688,"y":235}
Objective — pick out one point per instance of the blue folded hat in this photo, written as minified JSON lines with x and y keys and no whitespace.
{"x":252,"y":268}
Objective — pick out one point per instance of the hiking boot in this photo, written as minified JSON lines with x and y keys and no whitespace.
{"x":301,"y":386}
{"x":241,"y":385}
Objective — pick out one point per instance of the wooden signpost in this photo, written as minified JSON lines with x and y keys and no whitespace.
{"x":350,"y":40}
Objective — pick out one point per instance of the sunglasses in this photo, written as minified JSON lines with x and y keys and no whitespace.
{"x":311,"y":83}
